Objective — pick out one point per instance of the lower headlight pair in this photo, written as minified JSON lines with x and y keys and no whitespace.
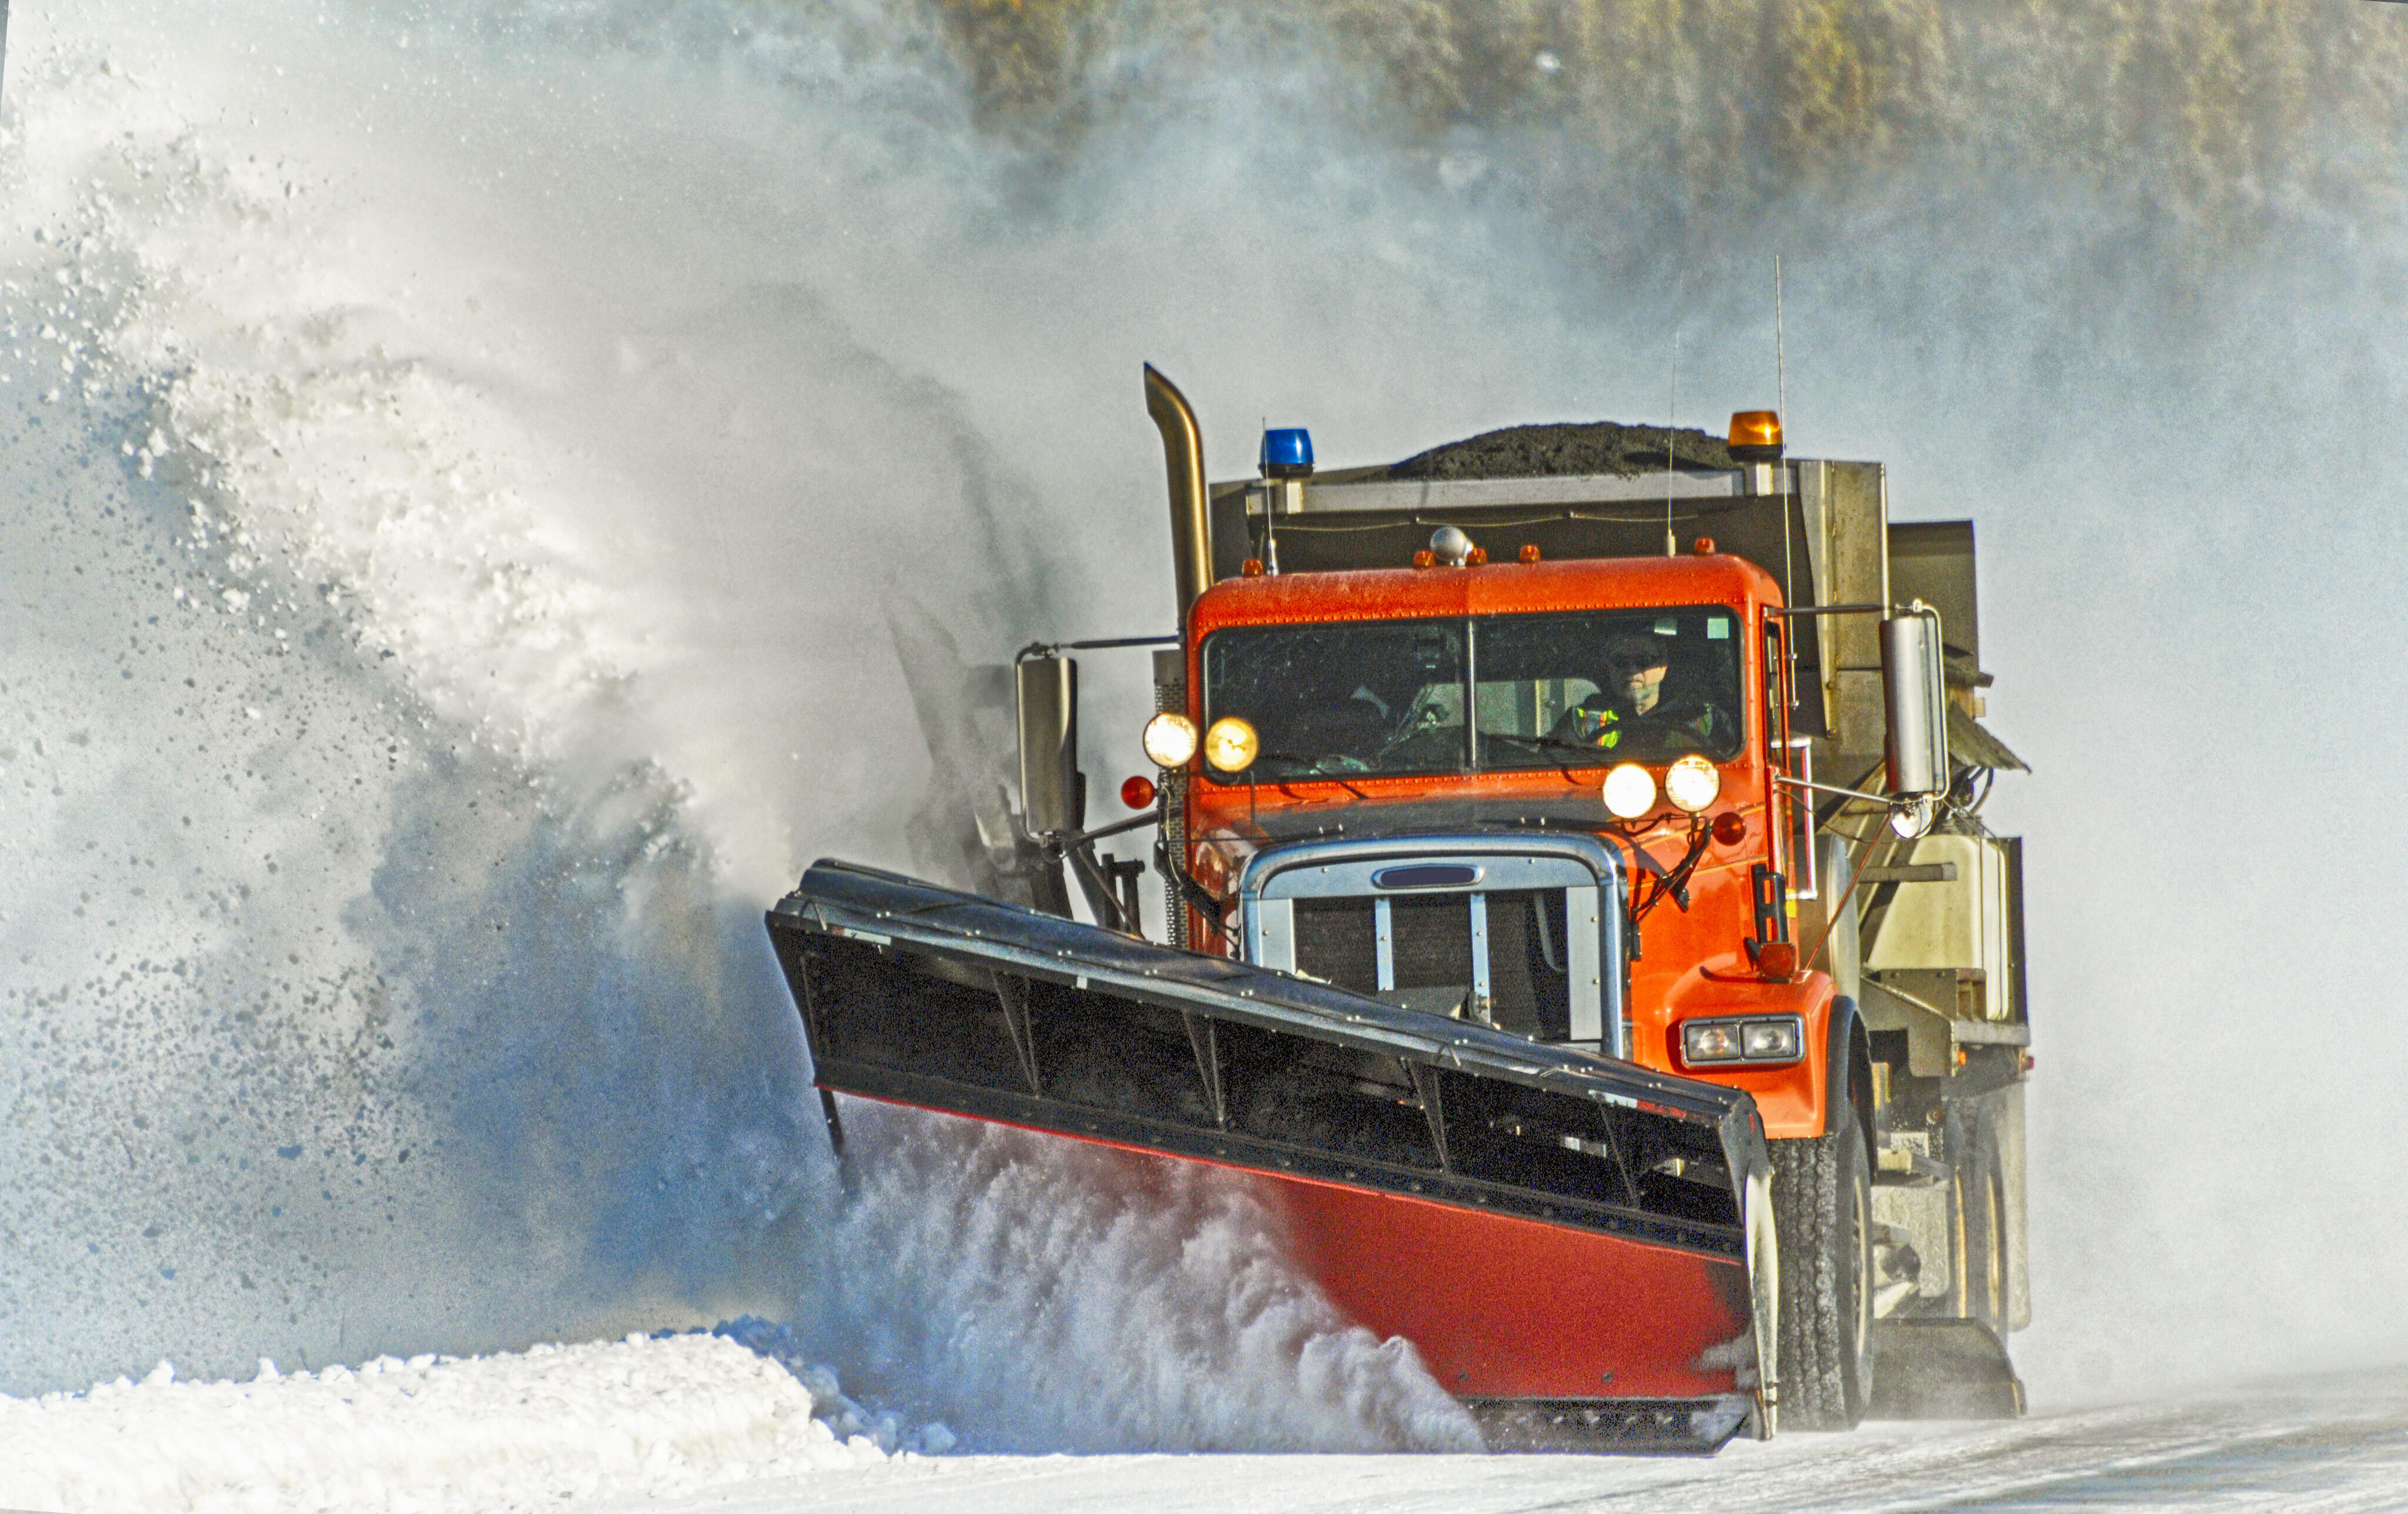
{"x":1762,"y":1039}
{"x":1692,"y":784}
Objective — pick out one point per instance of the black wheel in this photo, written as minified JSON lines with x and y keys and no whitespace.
{"x":1984,"y":1247}
{"x":1823,"y":1212}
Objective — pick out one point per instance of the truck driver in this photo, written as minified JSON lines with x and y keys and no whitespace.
{"x":1629,"y":713}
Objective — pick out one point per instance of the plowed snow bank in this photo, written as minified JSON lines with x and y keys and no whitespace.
{"x":652,"y":1417}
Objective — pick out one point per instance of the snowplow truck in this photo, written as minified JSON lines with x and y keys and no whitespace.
{"x":1582,"y":929}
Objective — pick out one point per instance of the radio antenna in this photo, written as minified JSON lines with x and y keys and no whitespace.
{"x":1780,"y":352}
{"x":1788,"y":562}
{"x":1673,"y":413}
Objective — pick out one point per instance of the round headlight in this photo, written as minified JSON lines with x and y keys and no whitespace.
{"x":1629,"y":792}
{"x":1693,"y":783}
{"x":1171,"y":740}
{"x":1230,"y":744}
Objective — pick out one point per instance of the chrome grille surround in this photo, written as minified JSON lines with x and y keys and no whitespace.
{"x":1580,"y":869}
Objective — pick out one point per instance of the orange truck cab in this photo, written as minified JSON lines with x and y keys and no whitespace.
{"x":1357,"y":683}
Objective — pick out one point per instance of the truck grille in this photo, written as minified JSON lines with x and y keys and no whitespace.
{"x":1522,"y":931}
{"x":1508,"y":968}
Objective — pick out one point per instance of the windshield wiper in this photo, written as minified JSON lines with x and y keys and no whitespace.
{"x":1547,"y":743}
{"x":1315,"y":768}
{"x":1550,"y":743}
{"x":1318,"y":765}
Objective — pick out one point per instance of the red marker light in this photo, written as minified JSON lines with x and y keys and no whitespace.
{"x":1730,"y":827}
{"x":1777,"y":960}
{"x":1137,"y":791}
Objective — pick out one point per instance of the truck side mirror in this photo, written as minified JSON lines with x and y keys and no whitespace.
{"x":1049,"y":745}
{"x":1916,"y":697}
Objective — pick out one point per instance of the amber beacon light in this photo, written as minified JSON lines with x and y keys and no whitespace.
{"x":1756,"y":446}
{"x":1756,"y":436}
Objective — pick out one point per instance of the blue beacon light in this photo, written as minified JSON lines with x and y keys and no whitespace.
{"x":1287,"y":453}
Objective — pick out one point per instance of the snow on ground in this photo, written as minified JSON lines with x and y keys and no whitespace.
{"x":732,"y":1424}
{"x":643,"y":1417}
{"x":2331,"y":1446}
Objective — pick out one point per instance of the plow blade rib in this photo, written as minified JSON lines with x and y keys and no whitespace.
{"x":1577,"y":1246}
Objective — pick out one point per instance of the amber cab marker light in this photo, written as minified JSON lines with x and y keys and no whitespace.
{"x":1479,"y":558}
{"x":1777,"y":960}
{"x":1425,"y":558}
{"x":1137,"y":791}
{"x":1251,"y":567}
{"x":1730,"y":828}
{"x":1703,"y":547}
{"x":1530,"y":551}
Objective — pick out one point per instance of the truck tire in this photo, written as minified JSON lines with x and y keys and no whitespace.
{"x":1821,"y":1211}
{"x":1985,"y":1283}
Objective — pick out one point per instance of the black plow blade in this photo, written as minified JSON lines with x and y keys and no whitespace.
{"x":1581,"y":1248}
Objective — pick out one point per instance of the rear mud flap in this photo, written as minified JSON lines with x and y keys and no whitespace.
{"x":1580,"y":1236}
{"x":1942,"y":1369}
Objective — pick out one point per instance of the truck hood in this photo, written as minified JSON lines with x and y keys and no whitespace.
{"x":1373,"y":819}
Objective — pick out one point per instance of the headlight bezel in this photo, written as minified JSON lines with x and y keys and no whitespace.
{"x":1735,"y":1031}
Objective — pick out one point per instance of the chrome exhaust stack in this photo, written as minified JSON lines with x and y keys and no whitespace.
{"x":1183,"y":458}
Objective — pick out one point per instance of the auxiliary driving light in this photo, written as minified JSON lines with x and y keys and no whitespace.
{"x":1768,"y":1038}
{"x":1693,"y":783}
{"x":1169,"y":740}
{"x":1911,"y":818}
{"x":1231,"y":743}
{"x":1629,"y":792}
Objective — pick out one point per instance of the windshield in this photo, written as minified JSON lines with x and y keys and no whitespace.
{"x":1387,"y":697}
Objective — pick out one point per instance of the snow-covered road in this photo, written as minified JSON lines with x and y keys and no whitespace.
{"x":2326,"y":1444}
{"x":700,"y":1425}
